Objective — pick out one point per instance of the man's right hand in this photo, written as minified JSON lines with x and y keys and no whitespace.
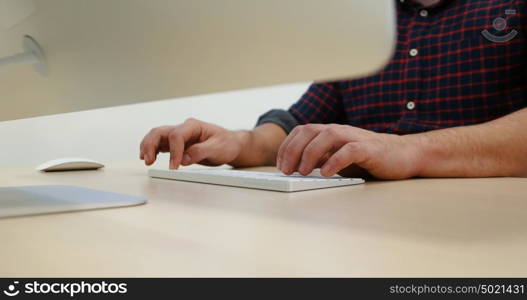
{"x":192,"y":142}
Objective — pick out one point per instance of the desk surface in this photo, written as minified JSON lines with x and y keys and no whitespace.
{"x":421,"y":227}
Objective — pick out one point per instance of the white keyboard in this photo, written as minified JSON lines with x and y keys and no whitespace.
{"x":255,"y":180}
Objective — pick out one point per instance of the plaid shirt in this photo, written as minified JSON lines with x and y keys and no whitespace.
{"x":461,"y":62}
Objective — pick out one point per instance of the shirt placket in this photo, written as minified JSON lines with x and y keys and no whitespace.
{"x":414,"y":68}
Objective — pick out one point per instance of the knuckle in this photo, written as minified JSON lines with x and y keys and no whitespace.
{"x":310,"y":127}
{"x":351,"y":147}
{"x":296,"y":129}
{"x":339,"y":160}
{"x":290,"y":151}
{"x":172,"y":135}
{"x":332,"y":130}
{"x":191,"y":121}
{"x":147,"y":145}
{"x":300,"y":128}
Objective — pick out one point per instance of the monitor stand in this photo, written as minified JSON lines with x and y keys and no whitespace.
{"x":45,"y":199}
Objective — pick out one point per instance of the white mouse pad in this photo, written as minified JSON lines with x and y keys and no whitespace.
{"x":32,"y":200}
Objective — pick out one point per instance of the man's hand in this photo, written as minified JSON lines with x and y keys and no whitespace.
{"x":345,"y":149}
{"x":191,"y":142}
{"x":198,"y":142}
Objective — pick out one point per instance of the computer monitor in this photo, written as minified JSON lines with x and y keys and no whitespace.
{"x":101,"y":53}
{"x":69,"y":55}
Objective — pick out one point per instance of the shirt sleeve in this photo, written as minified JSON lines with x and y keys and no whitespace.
{"x":321,"y":103}
{"x":279,"y":117}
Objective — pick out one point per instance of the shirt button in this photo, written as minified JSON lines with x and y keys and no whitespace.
{"x":423,"y":13}
{"x":414,"y":52}
{"x":410,"y":105}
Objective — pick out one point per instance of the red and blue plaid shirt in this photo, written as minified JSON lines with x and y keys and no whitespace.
{"x":461,"y":62}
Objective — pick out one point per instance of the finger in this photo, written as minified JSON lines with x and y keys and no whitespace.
{"x":293,"y":151}
{"x":283,"y":146}
{"x":198,"y":152}
{"x":348,"y":154}
{"x":323,"y":160}
{"x":150,"y":143}
{"x":176,"y":148}
{"x":316,"y":150}
{"x":178,"y":137}
{"x":186,"y":159}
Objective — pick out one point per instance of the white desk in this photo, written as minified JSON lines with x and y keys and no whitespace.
{"x":423,"y":227}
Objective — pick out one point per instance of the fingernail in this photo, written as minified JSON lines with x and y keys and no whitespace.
{"x":186,"y":159}
{"x":326,"y":171}
{"x":302,"y":169}
{"x":286,"y":168}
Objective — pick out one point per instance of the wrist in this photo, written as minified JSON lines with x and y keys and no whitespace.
{"x":258,"y":147}
{"x":241,"y":140}
{"x":417,"y":148}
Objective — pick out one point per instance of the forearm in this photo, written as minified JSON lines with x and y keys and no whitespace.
{"x":496,"y":148}
{"x":259,"y":146}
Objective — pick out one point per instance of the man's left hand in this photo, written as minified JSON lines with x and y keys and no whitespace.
{"x":342,"y":148}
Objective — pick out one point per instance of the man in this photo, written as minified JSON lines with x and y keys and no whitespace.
{"x":451,"y":103}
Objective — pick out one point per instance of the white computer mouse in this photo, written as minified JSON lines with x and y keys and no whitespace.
{"x":70,"y":164}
